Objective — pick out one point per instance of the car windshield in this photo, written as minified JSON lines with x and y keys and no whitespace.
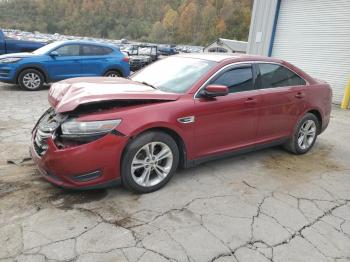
{"x":47,"y":48}
{"x":174,"y":74}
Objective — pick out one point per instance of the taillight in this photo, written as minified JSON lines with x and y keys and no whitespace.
{"x":126,"y":59}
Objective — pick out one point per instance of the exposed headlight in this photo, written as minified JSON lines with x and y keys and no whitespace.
{"x":10,"y":60}
{"x":73,"y":128}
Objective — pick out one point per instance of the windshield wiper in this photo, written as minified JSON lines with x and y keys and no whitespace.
{"x":148,"y":84}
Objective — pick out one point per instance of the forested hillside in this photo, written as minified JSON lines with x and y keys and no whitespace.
{"x":162,"y":21}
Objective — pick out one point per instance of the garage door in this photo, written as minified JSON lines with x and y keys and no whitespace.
{"x":315,"y":36}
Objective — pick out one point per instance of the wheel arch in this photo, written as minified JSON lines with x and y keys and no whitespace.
{"x":175,"y":135}
{"x":318,"y":115}
{"x":38,"y":68}
{"x":114,"y":68}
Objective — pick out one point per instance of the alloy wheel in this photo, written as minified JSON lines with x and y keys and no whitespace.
{"x":307,"y":134}
{"x":31,"y":81}
{"x":152,"y":164}
{"x":112,"y":74}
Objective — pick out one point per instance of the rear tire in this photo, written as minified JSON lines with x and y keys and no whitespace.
{"x":113,"y":73}
{"x":149,"y":162}
{"x":304,"y":135}
{"x":31,"y":79}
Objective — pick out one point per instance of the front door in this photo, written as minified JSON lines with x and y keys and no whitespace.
{"x":229,"y":122}
{"x":66,"y":63}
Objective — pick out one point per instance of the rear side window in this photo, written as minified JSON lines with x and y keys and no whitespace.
{"x":236,"y":79}
{"x":68,"y":50}
{"x":272,"y":75}
{"x":92,"y":50}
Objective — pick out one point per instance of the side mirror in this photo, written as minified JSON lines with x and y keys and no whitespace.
{"x":54,"y":54}
{"x":215,"y":90}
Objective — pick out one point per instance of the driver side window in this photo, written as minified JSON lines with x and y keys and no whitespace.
{"x":68,"y":50}
{"x":236,"y":79}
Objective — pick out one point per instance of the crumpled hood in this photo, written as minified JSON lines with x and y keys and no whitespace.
{"x":19,"y":55}
{"x":67,"y":95}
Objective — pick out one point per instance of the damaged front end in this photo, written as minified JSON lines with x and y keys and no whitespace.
{"x":66,"y":131}
{"x":77,"y":142}
{"x":46,"y":128}
{"x":73,"y":153}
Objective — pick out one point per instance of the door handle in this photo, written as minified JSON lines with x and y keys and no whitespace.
{"x":300,"y":95}
{"x":251,"y":100}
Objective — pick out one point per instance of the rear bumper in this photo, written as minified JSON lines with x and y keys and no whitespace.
{"x":325,"y":122}
{"x":136,"y":65}
{"x":126,"y":69}
{"x":326,"y":116}
{"x":88,"y":166}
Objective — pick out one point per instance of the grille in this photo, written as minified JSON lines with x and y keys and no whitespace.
{"x":4,"y":72}
{"x":46,"y":128}
{"x":136,"y":64}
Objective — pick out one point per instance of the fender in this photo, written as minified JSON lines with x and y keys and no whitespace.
{"x":114,"y":67}
{"x":34,"y":66}
{"x":317,"y":110}
{"x":187,"y":136}
{"x":185,"y":140}
{"x":152,"y":125}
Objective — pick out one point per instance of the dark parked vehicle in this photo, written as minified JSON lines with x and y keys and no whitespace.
{"x":167,"y":50}
{"x":181,"y":110}
{"x":8,"y":46}
{"x":62,"y":60}
{"x":141,"y":55}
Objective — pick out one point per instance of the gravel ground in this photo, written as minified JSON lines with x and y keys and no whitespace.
{"x":262,"y":206}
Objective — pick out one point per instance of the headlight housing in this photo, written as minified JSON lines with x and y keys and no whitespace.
{"x":73,"y":128}
{"x":10,"y":60}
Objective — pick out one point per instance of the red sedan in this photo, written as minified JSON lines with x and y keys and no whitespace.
{"x":179,"y":111}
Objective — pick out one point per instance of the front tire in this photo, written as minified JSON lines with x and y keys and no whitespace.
{"x":149,"y":162}
{"x":304,"y":135}
{"x":31,"y":79}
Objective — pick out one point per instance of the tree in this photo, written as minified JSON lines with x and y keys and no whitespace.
{"x":221,"y":26}
{"x":158,"y":32}
{"x":177,"y":21}
{"x":227,"y":10}
{"x":170,"y":22}
{"x":208,"y":20}
{"x":187,"y":22}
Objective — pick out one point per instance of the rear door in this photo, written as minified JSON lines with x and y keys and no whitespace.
{"x":228,"y":122}
{"x":283,"y":100}
{"x":95,"y":59}
{"x":66,"y":64}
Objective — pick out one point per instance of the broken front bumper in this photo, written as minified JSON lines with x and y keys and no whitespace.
{"x":91,"y":165}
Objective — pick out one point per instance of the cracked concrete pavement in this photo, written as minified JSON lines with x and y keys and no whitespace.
{"x":262,"y":206}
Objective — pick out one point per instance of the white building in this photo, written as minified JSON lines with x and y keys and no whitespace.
{"x":222,"y":45}
{"x":312,"y":34}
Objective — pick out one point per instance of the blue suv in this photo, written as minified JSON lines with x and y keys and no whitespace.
{"x":62,"y":60}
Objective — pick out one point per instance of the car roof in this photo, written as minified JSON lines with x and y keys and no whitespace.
{"x":225,"y":58}
{"x":221,"y":57}
{"x":86,"y":42}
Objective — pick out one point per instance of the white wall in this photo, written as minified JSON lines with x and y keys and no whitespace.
{"x":261,"y":27}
